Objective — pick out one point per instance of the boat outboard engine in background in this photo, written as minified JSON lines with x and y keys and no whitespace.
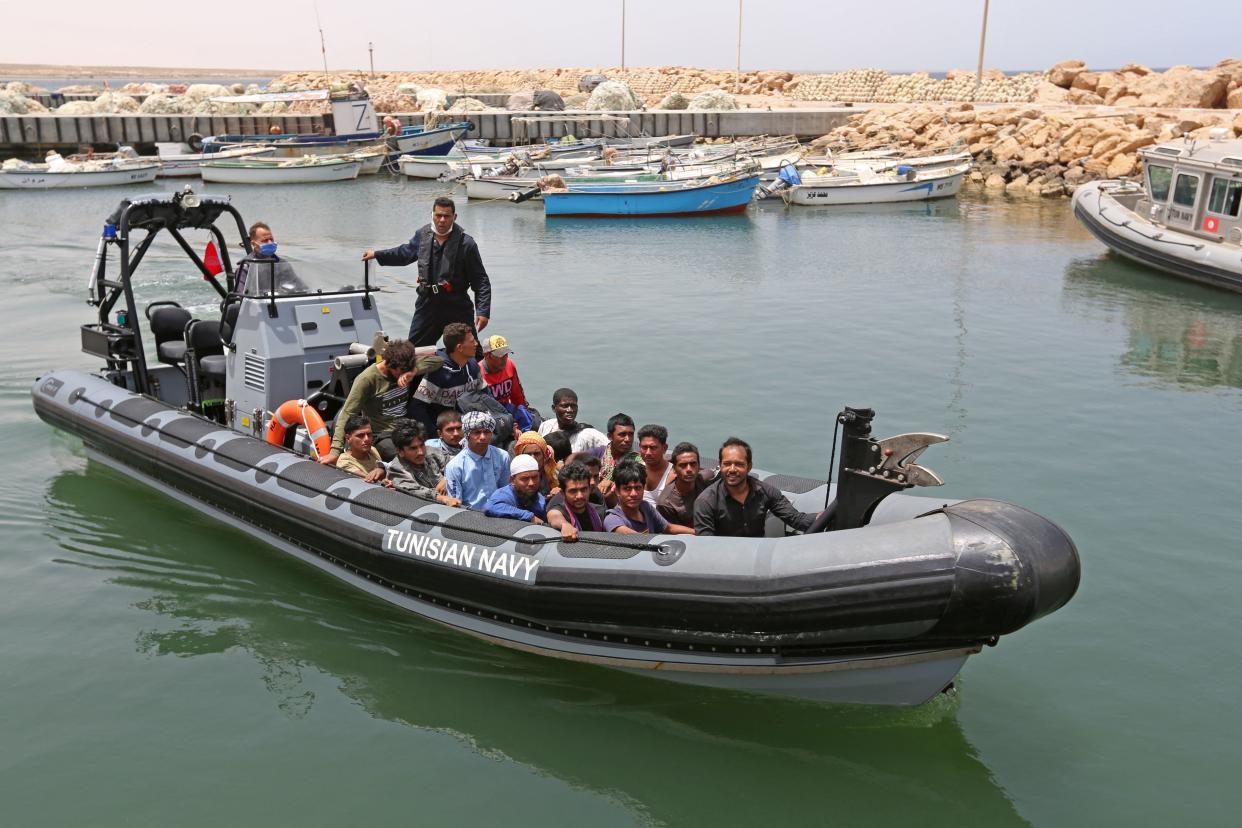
{"x":786,"y":178}
{"x":873,"y":469}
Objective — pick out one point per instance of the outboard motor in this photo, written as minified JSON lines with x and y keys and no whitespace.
{"x":873,"y":469}
{"x":786,"y":178}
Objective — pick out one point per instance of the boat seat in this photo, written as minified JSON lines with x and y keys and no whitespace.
{"x":168,"y":322}
{"x":204,"y":361}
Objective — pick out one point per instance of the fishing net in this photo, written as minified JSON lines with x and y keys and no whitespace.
{"x":613,"y":96}
{"x":673,"y":100}
{"x":713,"y":99}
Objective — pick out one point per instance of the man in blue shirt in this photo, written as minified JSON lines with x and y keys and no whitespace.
{"x":481,"y":469}
{"x":521,"y":499}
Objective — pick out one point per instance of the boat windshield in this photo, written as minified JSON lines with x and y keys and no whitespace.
{"x":294,"y":277}
{"x":1159,"y":179}
{"x":1187,"y":190}
{"x":1226,"y":197}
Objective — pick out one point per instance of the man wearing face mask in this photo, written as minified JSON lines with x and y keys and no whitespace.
{"x":256,"y":271}
{"x":449,"y":268}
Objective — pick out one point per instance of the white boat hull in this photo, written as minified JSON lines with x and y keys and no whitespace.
{"x":44,"y":180}
{"x":188,"y":165}
{"x":497,"y":186}
{"x":853,"y":190}
{"x":427,"y":166}
{"x":309,"y":174}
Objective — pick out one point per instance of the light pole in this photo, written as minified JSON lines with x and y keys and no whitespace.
{"x":371,"y":52}
{"x":622,"y":35}
{"x":983,"y":39}
{"x":737,"y":75}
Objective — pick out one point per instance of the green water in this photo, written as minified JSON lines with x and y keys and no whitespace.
{"x":159,"y":668}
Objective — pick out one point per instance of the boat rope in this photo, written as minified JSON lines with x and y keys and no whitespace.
{"x":427,"y":522}
{"x":1158,"y":237}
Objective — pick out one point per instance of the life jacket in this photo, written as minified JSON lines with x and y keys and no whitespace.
{"x":447,"y":275}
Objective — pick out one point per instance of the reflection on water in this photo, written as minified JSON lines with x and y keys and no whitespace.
{"x":672,"y":754}
{"x":1179,"y":333}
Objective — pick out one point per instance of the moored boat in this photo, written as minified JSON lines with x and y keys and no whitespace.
{"x":864,"y":185}
{"x":309,"y":170}
{"x":189,"y":164}
{"x":24,"y":176}
{"x":1185,"y":216}
{"x":715,"y":195}
{"x":427,"y":166}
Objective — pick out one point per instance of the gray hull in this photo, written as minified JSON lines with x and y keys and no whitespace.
{"x":886,"y":614}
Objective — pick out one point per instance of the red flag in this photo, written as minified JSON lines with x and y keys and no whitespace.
{"x":211,"y":258}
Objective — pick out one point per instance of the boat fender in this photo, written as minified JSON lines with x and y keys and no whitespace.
{"x":293,"y":413}
{"x":195,"y":142}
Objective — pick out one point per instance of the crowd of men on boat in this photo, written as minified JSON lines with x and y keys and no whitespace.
{"x":560,"y":472}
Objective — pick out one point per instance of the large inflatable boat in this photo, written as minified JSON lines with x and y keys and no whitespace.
{"x":882,"y":602}
{"x":1183,"y":218}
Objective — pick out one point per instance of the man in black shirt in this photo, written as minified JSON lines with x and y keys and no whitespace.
{"x":676,"y":502}
{"x":737,"y":504}
{"x":571,"y":510}
{"x":449,"y":265}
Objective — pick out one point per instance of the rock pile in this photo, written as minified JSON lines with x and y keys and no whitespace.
{"x":876,"y":85}
{"x":1030,"y":149}
{"x":1070,"y":81}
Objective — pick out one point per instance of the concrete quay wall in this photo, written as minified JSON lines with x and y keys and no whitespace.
{"x":28,"y":135}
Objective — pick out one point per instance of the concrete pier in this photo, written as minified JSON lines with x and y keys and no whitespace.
{"x":32,"y":135}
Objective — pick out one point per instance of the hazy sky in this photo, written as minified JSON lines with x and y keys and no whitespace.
{"x":788,"y":34}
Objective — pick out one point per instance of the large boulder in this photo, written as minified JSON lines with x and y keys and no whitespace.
{"x":1181,"y":86}
{"x":1063,"y":73}
{"x":1234,"y":99}
{"x":713,"y":99}
{"x":613,"y":96}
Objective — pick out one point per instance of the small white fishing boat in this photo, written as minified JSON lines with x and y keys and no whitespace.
{"x":306,"y":170}
{"x":177,"y":162}
{"x":865,"y":185}
{"x":427,"y":166}
{"x":372,"y":159}
{"x":61,"y":174}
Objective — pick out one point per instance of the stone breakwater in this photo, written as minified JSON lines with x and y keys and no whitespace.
{"x":1031,"y":149}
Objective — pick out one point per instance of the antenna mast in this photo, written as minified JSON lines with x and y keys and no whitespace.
{"x":323,"y":50}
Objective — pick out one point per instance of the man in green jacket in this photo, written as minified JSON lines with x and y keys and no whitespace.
{"x":381,"y":392}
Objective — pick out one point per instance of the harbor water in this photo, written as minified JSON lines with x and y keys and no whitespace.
{"x":161,"y":668}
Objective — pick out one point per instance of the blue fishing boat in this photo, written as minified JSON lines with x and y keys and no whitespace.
{"x":350,"y":126}
{"x":668,"y":198}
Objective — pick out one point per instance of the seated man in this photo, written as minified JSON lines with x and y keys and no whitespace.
{"x":481,"y":469}
{"x":501,"y":377}
{"x":581,"y":436}
{"x":256,"y":272}
{"x":532,"y":445}
{"x":418,"y":470}
{"x":458,"y":373}
{"x":448,"y":429}
{"x":361,"y":458}
{"x":633,"y":515}
{"x":652,"y":446}
{"x":620,"y":448}
{"x":676,"y":502}
{"x":736,"y":504}
{"x":521,"y":499}
{"x":380,"y":392}
{"x":571,"y":510}
{"x":591,"y":462}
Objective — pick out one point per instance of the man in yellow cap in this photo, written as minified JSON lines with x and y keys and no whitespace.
{"x":501,"y":377}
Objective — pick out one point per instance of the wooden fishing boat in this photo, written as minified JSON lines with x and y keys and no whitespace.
{"x":679,"y":198}
{"x":863,"y":185}
{"x":24,"y":176}
{"x":189,"y":164}
{"x":313,"y":170}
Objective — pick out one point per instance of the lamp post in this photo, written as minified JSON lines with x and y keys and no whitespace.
{"x":737,"y":75}
{"x":371,"y":52}
{"x":983,"y":39}
{"x":622,"y":35}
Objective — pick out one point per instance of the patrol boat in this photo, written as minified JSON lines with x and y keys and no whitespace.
{"x":1183,"y":218}
{"x":881,"y":602}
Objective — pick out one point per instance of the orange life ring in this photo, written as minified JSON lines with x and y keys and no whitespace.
{"x":293,"y":413}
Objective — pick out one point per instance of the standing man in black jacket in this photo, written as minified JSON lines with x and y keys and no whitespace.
{"x":449,"y":265}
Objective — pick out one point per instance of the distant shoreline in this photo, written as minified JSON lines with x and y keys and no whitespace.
{"x":52,"y":70}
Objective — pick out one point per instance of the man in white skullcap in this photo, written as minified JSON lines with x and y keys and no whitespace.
{"x":481,"y":469}
{"x":521,"y":499}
